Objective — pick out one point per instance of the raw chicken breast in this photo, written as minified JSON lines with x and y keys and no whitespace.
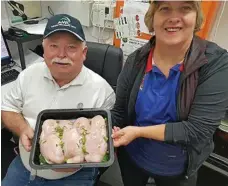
{"x":50,"y":144}
{"x":72,"y":146}
{"x":50,"y":148}
{"x":82,"y":124}
{"x":96,"y":140}
{"x":74,"y":141}
{"x":49,"y":126}
{"x":66,"y":124}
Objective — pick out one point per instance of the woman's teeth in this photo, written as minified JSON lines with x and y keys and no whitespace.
{"x":172,"y":29}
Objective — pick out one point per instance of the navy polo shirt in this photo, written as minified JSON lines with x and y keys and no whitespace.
{"x":156,"y":104}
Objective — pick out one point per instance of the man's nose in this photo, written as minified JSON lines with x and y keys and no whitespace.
{"x":62,"y":53}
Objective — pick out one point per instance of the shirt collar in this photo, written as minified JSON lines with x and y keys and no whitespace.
{"x":150,"y":63}
{"x":78,"y":80}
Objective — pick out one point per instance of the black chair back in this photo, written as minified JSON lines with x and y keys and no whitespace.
{"x":106,"y":60}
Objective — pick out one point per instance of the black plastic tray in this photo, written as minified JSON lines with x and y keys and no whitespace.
{"x":68,"y":114}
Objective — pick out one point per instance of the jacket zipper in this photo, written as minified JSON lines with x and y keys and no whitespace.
{"x":182,"y":78}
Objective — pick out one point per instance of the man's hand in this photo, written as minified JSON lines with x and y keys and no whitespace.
{"x":124,"y":136}
{"x":26,"y":138}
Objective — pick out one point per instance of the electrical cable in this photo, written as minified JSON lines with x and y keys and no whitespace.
{"x":50,"y":11}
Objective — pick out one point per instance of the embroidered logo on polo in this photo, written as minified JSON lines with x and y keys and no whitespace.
{"x":142,"y":82}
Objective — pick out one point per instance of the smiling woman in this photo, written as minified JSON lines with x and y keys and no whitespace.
{"x":166,"y":8}
{"x":174,"y":23}
{"x":168,"y":100}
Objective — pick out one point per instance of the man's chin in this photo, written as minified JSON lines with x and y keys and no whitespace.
{"x":60,"y":74}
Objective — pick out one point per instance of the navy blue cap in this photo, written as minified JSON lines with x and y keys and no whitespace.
{"x":64,"y":22}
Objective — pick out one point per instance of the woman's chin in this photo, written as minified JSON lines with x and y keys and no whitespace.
{"x":173,"y":41}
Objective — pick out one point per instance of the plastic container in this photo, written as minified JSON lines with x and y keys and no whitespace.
{"x":69,"y":114}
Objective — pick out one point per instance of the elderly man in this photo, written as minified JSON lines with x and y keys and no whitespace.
{"x":62,"y":82}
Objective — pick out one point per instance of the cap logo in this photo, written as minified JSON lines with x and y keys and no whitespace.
{"x":64,"y":21}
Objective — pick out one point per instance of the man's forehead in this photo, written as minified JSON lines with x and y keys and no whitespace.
{"x":63,"y":36}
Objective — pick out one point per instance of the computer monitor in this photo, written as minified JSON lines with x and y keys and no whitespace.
{"x":6,"y":58}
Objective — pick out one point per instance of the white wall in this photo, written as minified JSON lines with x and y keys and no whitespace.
{"x":219,"y":34}
{"x":4,"y":17}
{"x":91,"y":33}
{"x":74,"y":8}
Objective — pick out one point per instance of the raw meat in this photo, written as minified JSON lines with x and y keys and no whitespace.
{"x":51,"y":150}
{"x":82,"y":124}
{"x":96,"y":140}
{"x":66,"y":124}
{"x":72,"y":146}
{"x":49,"y":126}
{"x":74,"y":141}
{"x":50,"y":143}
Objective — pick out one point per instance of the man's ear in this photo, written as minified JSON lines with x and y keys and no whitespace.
{"x":85,"y":50}
{"x":43,"y":47}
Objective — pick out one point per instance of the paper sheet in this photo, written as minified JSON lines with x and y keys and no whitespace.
{"x":131,"y":22}
{"x":37,"y":29}
{"x":134,"y":7}
{"x":135,"y":11}
{"x":129,"y":45}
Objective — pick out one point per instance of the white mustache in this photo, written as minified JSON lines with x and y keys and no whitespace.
{"x":64,"y":61}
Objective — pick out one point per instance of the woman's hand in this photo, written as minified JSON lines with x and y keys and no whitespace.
{"x":124,"y":136}
{"x":115,"y":129}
